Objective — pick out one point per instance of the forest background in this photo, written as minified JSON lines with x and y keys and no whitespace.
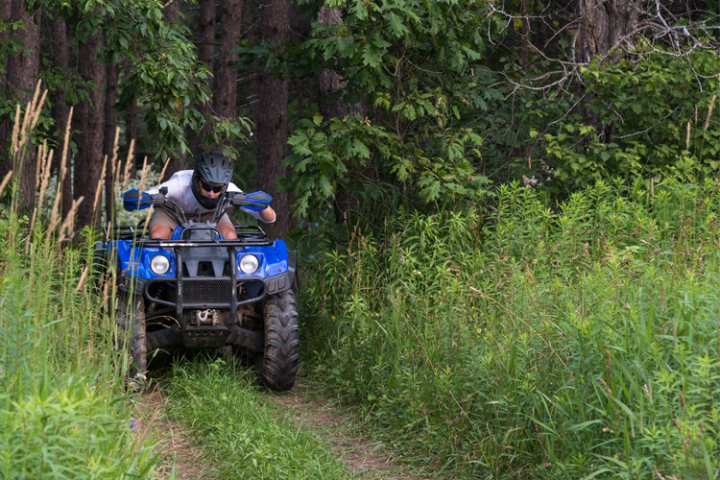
{"x":512,"y":206}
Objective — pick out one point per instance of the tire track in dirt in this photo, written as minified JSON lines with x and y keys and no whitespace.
{"x":173,"y":442}
{"x":364,"y":458}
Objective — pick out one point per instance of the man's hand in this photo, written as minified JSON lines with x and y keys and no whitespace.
{"x":258,"y":204}
{"x":268,"y":215}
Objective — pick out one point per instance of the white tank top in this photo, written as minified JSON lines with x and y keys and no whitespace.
{"x":179,"y":190}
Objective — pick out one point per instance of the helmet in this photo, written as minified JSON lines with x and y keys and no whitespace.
{"x":213,"y":168}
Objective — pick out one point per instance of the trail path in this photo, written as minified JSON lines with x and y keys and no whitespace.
{"x":174,"y":444}
{"x":366,"y":459}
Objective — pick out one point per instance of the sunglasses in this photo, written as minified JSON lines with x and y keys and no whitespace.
{"x":212,"y":188}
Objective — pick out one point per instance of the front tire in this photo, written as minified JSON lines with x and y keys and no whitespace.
{"x":281,"y":357}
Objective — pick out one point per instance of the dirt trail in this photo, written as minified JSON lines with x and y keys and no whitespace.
{"x":364,"y":458}
{"x":174,"y":443}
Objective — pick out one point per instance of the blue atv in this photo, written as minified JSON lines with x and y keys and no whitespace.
{"x":200,"y":291}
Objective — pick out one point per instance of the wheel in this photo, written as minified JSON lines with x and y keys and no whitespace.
{"x":281,"y":357}
{"x":131,"y":315}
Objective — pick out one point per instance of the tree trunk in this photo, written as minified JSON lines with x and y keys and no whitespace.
{"x":88,"y":165}
{"x":272,"y":116}
{"x":206,"y":55}
{"x":5,"y":17}
{"x":604,"y":25}
{"x":23,"y":70}
{"x":225,"y":95}
{"x":109,"y":137}
{"x":171,"y":12}
{"x":61,"y":59}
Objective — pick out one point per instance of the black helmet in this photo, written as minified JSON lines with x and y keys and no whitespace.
{"x":210,"y":168}
{"x":214,"y":168}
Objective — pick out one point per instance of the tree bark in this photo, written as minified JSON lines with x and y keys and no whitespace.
{"x":272,"y":116}
{"x":88,"y":165}
{"x":206,"y":55}
{"x":172,"y":11}
{"x":604,"y":25}
{"x":61,"y":58}
{"x":109,"y":137}
{"x":23,"y":70}
{"x":5,"y":17}
{"x":225,"y":95}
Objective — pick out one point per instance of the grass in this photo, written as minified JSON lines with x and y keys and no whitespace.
{"x":572,"y":344}
{"x":241,"y":434}
{"x":63,"y":408}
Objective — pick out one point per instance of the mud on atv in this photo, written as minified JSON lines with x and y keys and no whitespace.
{"x":200,"y":291}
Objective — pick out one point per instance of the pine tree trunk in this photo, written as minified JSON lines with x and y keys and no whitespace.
{"x":60,"y":47}
{"x":91,"y":113}
{"x":225,"y":95}
{"x":5,"y":17}
{"x":206,"y":55}
{"x":23,"y":71}
{"x":272,"y":116}
{"x":109,"y":137}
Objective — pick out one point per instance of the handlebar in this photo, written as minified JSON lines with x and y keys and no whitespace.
{"x":252,"y":203}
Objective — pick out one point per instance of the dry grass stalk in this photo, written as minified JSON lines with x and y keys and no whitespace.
{"x":143,"y":179}
{"x":42,"y":180}
{"x":31,"y":118}
{"x":100,"y":184}
{"x":711,"y":110}
{"x":164,"y":169}
{"x":5,"y":182}
{"x":62,"y":175}
{"x":67,"y":230}
{"x":16,"y":130}
{"x":144,"y":174}
{"x":45,"y":170}
{"x":128,"y":164}
{"x":39,"y":164}
{"x":83,"y":277}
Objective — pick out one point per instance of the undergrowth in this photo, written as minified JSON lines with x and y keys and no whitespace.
{"x":575,"y":343}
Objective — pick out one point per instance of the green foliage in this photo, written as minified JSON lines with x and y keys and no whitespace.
{"x":638,"y":118}
{"x":242,"y":435}
{"x":578,"y":343}
{"x":409,"y":66}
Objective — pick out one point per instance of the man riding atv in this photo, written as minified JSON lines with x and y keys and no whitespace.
{"x":196,"y":192}
{"x":200,"y":283}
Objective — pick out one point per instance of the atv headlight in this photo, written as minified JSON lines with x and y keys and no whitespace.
{"x":160,"y":264}
{"x":249,"y":264}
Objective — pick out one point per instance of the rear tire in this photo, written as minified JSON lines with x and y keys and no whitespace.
{"x":281,"y":357}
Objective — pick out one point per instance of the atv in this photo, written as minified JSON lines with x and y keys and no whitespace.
{"x":198,"y":291}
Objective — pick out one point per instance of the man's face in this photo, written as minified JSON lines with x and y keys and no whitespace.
{"x":211,"y":191}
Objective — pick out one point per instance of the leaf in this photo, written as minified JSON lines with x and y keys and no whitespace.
{"x":397,"y":27}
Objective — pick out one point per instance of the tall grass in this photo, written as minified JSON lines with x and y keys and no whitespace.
{"x":579,"y":343}
{"x":63,"y":412}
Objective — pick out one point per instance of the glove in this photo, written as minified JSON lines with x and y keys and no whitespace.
{"x":134,"y":199}
{"x":256,"y":202}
